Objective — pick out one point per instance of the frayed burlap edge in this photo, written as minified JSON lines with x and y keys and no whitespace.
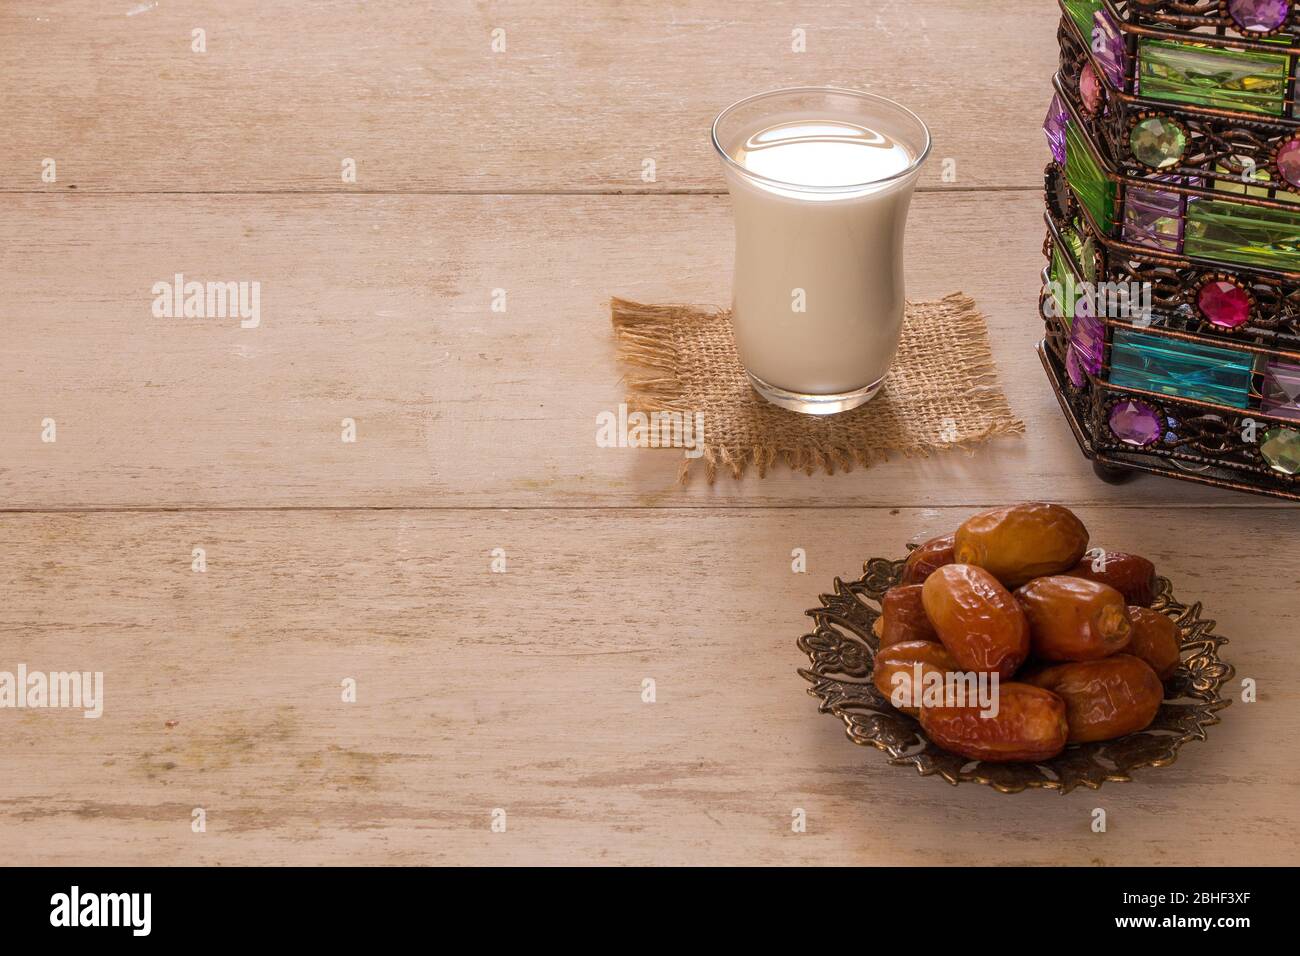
{"x":647,"y":345}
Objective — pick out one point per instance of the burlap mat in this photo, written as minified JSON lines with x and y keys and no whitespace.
{"x":941,"y":392}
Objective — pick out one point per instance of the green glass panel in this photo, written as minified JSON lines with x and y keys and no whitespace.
{"x":1082,"y":12}
{"x":1086,"y":178}
{"x":1183,"y":369}
{"x":1074,"y":243}
{"x":1234,"y":182}
{"x":1208,"y":76}
{"x":1063,"y":286}
{"x":1233,"y":232}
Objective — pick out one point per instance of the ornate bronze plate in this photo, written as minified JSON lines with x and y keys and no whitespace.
{"x":842,"y":653}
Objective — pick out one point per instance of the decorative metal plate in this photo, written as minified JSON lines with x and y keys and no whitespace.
{"x":842,"y":653}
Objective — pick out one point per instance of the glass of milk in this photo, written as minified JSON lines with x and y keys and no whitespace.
{"x":820,"y":182}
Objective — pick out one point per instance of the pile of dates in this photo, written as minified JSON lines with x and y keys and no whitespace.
{"x":1078,"y":653}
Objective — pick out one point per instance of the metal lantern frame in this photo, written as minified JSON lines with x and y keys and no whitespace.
{"x":1230,"y":156}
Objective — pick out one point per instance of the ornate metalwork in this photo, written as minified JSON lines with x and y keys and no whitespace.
{"x":1176,"y":281}
{"x":1179,"y":16}
{"x":1222,"y":154}
{"x":1223,"y":146}
{"x":1206,"y":444}
{"x":841,"y":653}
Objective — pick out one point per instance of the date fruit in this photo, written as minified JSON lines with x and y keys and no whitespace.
{"x":977,"y":619}
{"x":902,"y":616}
{"x":1131,"y":575}
{"x":927,"y":559}
{"x":1154,"y":640}
{"x":1030,"y":725}
{"x":902,"y":659}
{"x":1022,"y":542}
{"x":1072,"y":619}
{"x":1104,"y":699}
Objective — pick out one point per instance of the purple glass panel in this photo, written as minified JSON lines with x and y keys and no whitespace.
{"x":1087,"y":339}
{"x":1108,"y":47}
{"x":1281,"y":390}
{"x":1054,"y":128}
{"x":1154,"y":218}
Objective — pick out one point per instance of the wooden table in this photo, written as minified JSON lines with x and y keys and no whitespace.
{"x":372,"y":560}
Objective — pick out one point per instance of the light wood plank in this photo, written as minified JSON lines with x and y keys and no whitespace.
{"x":414,"y":94}
{"x":379,"y":309}
{"x":523,"y":691}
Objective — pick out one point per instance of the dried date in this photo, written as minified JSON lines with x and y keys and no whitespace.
{"x":977,"y":619}
{"x":1022,"y":542}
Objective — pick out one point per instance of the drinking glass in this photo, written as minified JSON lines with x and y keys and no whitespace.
{"x":820,"y":182}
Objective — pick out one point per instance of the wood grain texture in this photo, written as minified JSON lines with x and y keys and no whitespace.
{"x":414,"y":94}
{"x":379,"y":309}
{"x":519,"y":690}
{"x":522,"y":691}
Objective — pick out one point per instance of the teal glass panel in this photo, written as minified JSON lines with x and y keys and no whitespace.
{"x":1183,"y":369}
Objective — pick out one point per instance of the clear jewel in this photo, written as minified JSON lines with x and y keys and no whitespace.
{"x":1281,"y":449}
{"x":1158,"y":142}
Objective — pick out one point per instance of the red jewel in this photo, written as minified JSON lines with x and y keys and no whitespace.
{"x":1225,"y":304}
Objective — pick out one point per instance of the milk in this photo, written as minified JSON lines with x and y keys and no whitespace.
{"x":820,"y":207}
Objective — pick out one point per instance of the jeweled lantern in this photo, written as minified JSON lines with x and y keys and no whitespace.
{"x":1172,"y":295}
